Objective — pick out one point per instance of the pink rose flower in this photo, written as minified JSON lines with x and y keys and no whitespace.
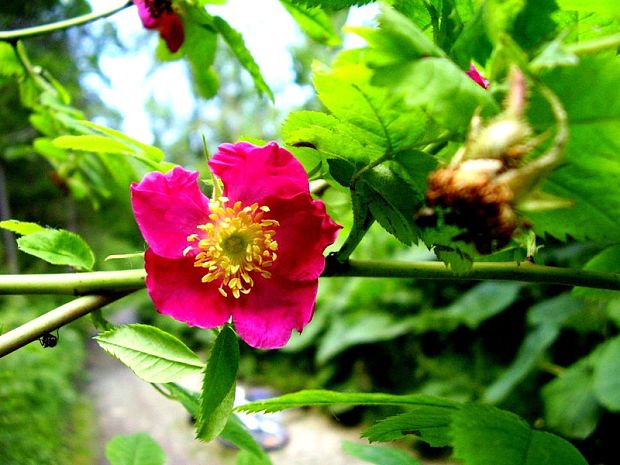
{"x":477,"y":77}
{"x":255,"y":253}
{"x":159,"y":15}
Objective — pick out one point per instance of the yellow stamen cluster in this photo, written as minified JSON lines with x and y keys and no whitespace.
{"x":237,"y":243}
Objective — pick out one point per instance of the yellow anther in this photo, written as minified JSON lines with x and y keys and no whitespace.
{"x":233,"y":245}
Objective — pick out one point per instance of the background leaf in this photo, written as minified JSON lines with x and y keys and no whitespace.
{"x":154,"y":355}
{"x":134,"y":449}
{"x":606,"y":379}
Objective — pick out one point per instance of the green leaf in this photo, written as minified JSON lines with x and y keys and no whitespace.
{"x":235,"y":433}
{"x":154,"y":355}
{"x":199,"y":47}
{"x":235,"y":41}
{"x":571,"y":408}
{"x":134,"y":449}
{"x":9,"y":63}
{"x":327,"y":135}
{"x":334,"y":4}
{"x":21,"y":227}
{"x":314,"y":22}
{"x":591,"y":166}
{"x":609,"y":261}
{"x":430,"y":423}
{"x":58,"y":247}
{"x":440,"y":88}
{"x":218,"y":389}
{"x":392,"y":202}
{"x":606,"y":379}
{"x":372,"y":113}
{"x":472,"y":42}
{"x":484,"y":435}
{"x":315,"y":398}
{"x":379,"y":455}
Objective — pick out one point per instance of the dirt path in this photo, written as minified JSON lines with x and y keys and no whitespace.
{"x":127,"y":405}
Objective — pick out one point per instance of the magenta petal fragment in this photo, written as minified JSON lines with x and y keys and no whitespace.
{"x":477,"y":77}
{"x":274,"y":308}
{"x":251,"y":173}
{"x":171,"y":30}
{"x":176,"y":290}
{"x":168,"y":208}
{"x":145,"y":15}
{"x":305,"y":231}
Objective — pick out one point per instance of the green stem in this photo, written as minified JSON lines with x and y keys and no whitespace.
{"x":52,"y":320}
{"x":112,"y":285}
{"x":595,"y":45}
{"x":501,"y":271}
{"x":104,"y":282}
{"x":73,"y":283}
{"x":18,"y":34}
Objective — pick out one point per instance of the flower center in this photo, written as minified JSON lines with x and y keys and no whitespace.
{"x":236,"y":244}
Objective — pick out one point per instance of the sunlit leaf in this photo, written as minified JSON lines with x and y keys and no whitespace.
{"x":21,"y":227}
{"x":154,"y":355}
{"x":58,"y":247}
{"x":134,"y":449}
{"x":315,"y":398}
{"x":218,"y":389}
{"x":235,"y":41}
{"x":313,"y":21}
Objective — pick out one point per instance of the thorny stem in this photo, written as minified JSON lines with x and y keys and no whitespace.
{"x":108,"y":286}
{"x":18,"y":34}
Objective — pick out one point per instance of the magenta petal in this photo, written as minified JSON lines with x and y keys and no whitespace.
{"x":266,"y":317}
{"x":305,"y":231}
{"x":145,"y":15}
{"x":171,"y":30}
{"x":168,"y":208}
{"x":250,"y":173}
{"x":176,"y":290}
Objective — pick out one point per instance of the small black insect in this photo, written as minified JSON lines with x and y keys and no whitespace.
{"x":49,"y":340}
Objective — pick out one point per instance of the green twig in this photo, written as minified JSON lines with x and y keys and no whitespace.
{"x":501,"y":271}
{"x":52,"y":320}
{"x":103,"y":282}
{"x":596,"y":45}
{"x":18,"y":34}
{"x":73,"y":283}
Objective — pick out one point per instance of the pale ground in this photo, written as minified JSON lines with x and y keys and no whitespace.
{"x":126,"y":405}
